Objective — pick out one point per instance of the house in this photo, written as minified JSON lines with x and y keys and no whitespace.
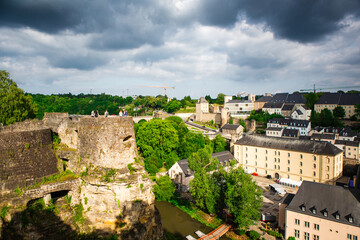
{"x":232,"y":129}
{"x":274,"y":131}
{"x":258,"y":104}
{"x":324,"y":137}
{"x":290,"y":133}
{"x":287,"y":109}
{"x":332,"y":100}
{"x":273,"y":107}
{"x":289,"y":158}
{"x":239,"y":108}
{"x":182,"y":175}
{"x":351,"y":148}
{"x":321,"y":211}
{"x":303,"y":126}
{"x":301,"y":113}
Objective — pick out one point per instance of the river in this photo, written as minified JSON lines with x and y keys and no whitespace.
{"x":180,"y":224}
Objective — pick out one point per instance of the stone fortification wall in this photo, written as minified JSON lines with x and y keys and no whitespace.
{"x":24,"y":157}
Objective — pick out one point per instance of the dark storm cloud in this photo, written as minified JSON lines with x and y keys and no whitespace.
{"x":297,"y":20}
{"x":255,"y":62}
{"x":44,"y":15}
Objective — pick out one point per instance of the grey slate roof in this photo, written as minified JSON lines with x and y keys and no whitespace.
{"x":299,"y":112}
{"x":306,"y":146}
{"x":288,"y":107}
{"x":274,"y":129}
{"x":319,"y":136}
{"x":290,"y":122}
{"x":231,"y":126}
{"x":264,"y":99}
{"x":288,"y":98}
{"x":273,"y":105}
{"x":239,"y":101}
{"x":339,"y":98}
{"x":347,"y":143}
{"x":342,"y":131}
{"x":290,"y":132}
{"x":330,"y":198}
{"x":224,"y":157}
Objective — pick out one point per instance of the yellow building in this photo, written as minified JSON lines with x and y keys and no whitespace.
{"x":288,"y":158}
{"x":332,"y":100}
{"x":320,"y":211}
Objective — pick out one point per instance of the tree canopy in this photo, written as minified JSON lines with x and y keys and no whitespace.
{"x":164,"y":188}
{"x":339,"y":112}
{"x":15,"y":106}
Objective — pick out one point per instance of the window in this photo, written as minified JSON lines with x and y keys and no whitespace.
{"x":278,"y":159}
{"x":351,"y":237}
{"x":337,"y":216}
{"x":246,"y":155}
{"x":297,"y":221}
{"x":265,"y":164}
{"x":255,"y":156}
{"x":307,"y":224}
{"x":300,"y":164}
{"x":288,"y":154}
{"x":316,"y":226}
{"x":297,"y":233}
{"x":314,"y":165}
{"x":288,"y":161}
{"x":266,"y":158}
{"x":288,"y":169}
{"x":255,"y":163}
{"x":327,"y":168}
{"x":301,"y":156}
{"x":266,"y":151}
{"x":327,"y":176}
{"x":300,"y":171}
{"x":306,"y":236}
{"x":246,"y":149}
{"x":314,"y":173}
{"x":255,"y":149}
{"x":316,"y":237}
{"x":314,"y":158}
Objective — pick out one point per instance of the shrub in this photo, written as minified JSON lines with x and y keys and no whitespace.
{"x":27,"y":146}
{"x":131,"y":168}
{"x":3,"y":212}
{"x":253,"y":235}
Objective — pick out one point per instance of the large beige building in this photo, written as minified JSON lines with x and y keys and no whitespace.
{"x":332,"y":100}
{"x":288,"y":158}
{"x":321,"y":212}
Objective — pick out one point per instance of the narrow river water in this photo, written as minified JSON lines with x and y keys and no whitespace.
{"x":179,"y":223}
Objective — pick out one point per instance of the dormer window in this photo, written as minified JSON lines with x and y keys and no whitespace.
{"x":325,"y":213}
{"x":313,"y":210}
{"x":337,"y":215}
{"x":303,"y":208}
{"x":350,"y":218}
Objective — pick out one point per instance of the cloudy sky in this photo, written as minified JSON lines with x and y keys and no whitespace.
{"x":198,"y":46}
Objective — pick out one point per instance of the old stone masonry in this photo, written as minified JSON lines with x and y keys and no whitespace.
{"x":89,"y":165}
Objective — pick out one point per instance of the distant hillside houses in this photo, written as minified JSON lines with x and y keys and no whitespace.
{"x":285,"y":104}
{"x":332,"y":100}
{"x":239,"y":108}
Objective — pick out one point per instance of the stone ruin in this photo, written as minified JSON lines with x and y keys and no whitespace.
{"x":109,"y":182}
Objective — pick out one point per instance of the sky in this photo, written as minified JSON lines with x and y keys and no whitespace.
{"x":200,"y":47}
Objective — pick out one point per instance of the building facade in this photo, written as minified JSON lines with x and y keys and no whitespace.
{"x":239,"y":108}
{"x":320,"y":211}
{"x":289,"y":158}
{"x":303,"y":126}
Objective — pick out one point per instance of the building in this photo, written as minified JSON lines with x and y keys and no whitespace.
{"x":232,"y":129}
{"x":258,"y":104}
{"x":239,"y":108}
{"x":182,"y":175}
{"x":303,"y":126}
{"x":321,"y":211}
{"x":273,"y":107}
{"x":296,"y":98}
{"x":301,"y":113}
{"x":282,"y":132}
{"x":332,"y":100}
{"x":206,"y":112}
{"x":351,"y":148}
{"x":290,"y":133}
{"x":287,"y":109}
{"x":324,"y":137}
{"x":294,"y":159}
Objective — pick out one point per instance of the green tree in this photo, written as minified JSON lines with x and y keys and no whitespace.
{"x":173,"y":106}
{"x":219,"y":144}
{"x":15,"y":106}
{"x":311,"y":99}
{"x":164,"y":188}
{"x":220,"y":98}
{"x":208,"y":98}
{"x":242,"y":197}
{"x":339,"y":112}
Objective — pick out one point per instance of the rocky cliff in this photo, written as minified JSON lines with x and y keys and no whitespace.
{"x":108,"y":191}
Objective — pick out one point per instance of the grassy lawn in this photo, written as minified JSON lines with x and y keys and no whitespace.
{"x":187,"y":110}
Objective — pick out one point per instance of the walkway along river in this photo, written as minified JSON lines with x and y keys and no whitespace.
{"x":180,"y":224}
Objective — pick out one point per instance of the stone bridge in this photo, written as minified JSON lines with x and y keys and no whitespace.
{"x":47,"y":189}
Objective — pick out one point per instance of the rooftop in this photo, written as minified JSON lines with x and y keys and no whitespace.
{"x":231,"y":126}
{"x":339,"y":98}
{"x":288,"y":98}
{"x":313,"y":199}
{"x":290,"y":122}
{"x":288,"y":107}
{"x":347,"y":143}
{"x":264,"y":99}
{"x":202,"y":100}
{"x":290,"y":132}
{"x":290,"y":144}
{"x":273,"y":105}
{"x":316,"y":136}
